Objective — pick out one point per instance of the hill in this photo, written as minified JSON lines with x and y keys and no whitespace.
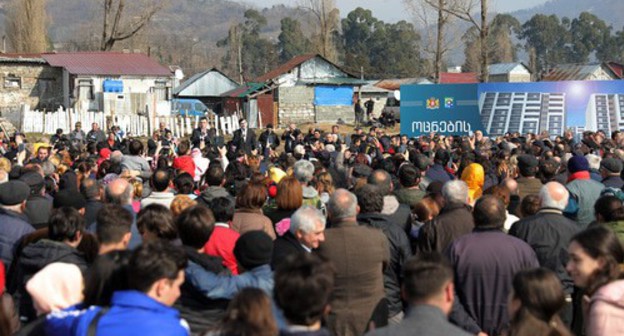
{"x":608,"y":10}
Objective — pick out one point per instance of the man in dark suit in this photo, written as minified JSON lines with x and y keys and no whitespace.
{"x":244,"y":138}
{"x":428,"y":288}
{"x":202,"y":136}
{"x":307,"y":231}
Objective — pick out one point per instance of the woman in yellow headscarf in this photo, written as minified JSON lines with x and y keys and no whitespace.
{"x":474,"y":176}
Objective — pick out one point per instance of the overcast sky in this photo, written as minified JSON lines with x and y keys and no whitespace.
{"x":393,"y":10}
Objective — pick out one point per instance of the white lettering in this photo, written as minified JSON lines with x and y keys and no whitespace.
{"x":444,"y":126}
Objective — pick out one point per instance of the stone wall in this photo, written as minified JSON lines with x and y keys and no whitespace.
{"x":37,"y":85}
{"x":296,"y":104}
{"x":331,"y":114}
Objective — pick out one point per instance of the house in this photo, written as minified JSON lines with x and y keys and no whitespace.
{"x":580,"y":72}
{"x":29,"y":79}
{"x":458,"y":78}
{"x":206,"y":86}
{"x":509,"y":72}
{"x":308,"y":88}
{"x":112,"y":82}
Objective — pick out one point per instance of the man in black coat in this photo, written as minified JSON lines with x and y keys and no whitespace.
{"x":307,"y":231}
{"x":202,"y":136}
{"x":370,"y":201}
{"x":244,"y":138}
{"x":454,"y":221}
{"x":398,"y":213}
{"x":268,"y":140}
{"x":548,"y":232}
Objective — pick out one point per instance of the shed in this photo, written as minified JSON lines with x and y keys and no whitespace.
{"x":309,"y":88}
{"x":509,"y":72}
{"x":207,"y":86}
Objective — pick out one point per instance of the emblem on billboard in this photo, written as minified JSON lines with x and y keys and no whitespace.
{"x":449,"y":102}
{"x":433,"y":103}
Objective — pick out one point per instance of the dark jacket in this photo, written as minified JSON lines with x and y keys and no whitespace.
{"x":548,"y":232}
{"x":423,"y":320}
{"x":38,"y":209}
{"x":13,"y":226}
{"x":200,"y":312}
{"x":485,"y":262}
{"x":197,"y":137}
{"x":283,"y":247}
{"x":320,"y":332}
{"x":248,"y":143}
{"x":271,"y":138}
{"x":438,"y":173}
{"x":613,"y":182}
{"x":454,"y":221}
{"x":91,"y":210}
{"x":400,"y":250}
{"x":35,"y":257}
{"x":399,"y":214}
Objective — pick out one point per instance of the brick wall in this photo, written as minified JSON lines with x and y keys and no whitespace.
{"x":40,"y":86}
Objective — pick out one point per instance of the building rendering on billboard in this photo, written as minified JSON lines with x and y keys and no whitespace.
{"x":605,"y":112}
{"x":523,"y":112}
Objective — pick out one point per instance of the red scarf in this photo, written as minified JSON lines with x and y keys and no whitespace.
{"x":581,"y":175}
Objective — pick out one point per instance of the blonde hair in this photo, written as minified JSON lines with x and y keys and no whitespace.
{"x":180,"y":203}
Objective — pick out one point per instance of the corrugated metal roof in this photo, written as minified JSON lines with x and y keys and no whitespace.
{"x":284,"y":68}
{"x":395,"y":83}
{"x":293,"y":63}
{"x":570,"y":72}
{"x":458,"y":78}
{"x":243,"y":90}
{"x":203,"y":84}
{"x":504,"y":68}
{"x":107,"y":63}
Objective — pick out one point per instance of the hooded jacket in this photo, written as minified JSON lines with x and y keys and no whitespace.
{"x":606,"y":310}
{"x":35,"y":257}
{"x":474,"y":176}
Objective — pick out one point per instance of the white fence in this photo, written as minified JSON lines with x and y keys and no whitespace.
{"x":47,"y":122}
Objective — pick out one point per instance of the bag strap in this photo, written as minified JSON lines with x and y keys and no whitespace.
{"x":94,"y":323}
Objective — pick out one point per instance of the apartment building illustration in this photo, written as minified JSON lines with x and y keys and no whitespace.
{"x":523,"y":112}
{"x":605,"y":112}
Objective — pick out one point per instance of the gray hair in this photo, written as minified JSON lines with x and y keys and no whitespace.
{"x":304,"y":171}
{"x":305,"y":219}
{"x":115,"y":157}
{"x":554,"y":195}
{"x":342,"y":204}
{"x":455,"y":192}
{"x":594,"y":161}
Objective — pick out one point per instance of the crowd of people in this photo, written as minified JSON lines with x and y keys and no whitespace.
{"x":311,"y":233}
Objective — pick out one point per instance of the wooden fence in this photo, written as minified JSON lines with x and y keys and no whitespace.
{"x":47,"y":122}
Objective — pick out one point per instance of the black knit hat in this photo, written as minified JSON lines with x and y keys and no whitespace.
{"x":253,"y":249}
{"x":69,"y":198}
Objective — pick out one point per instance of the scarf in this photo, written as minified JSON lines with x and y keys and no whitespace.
{"x":581,"y":175}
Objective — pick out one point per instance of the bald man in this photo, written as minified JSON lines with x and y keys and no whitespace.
{"x":120,"y":192}
{"x":514,"y":198}
{"x":548,"y":232}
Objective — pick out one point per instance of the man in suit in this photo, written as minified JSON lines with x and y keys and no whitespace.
{"x":359,"y":255}
{"x":202,"y":136}
{"x":244,"y":138}
{"x":428,"y":288}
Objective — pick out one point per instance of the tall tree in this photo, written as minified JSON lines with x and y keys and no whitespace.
{"x":26,"y":26}
{"x":395,"y":51}
{"x":121,"y":22}
{"x":588,"y":34}
{"x":501,"y":48}
{"x":249,"y":54}
{"x":547,"y":36}
{"x":291,"y":40}
{"x":326,"y":19}
{"x":358,"y":30}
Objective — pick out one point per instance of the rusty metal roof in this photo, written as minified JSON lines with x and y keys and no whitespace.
{"x":571,"y":72}
{"x":107,"y":63}
{"x":458,"y":78}
{"x":395,"y":83}
{"x":243,"y":90}
{"x":293,"y":63}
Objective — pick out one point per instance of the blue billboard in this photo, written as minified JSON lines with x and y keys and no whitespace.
{"x":498,"y":108}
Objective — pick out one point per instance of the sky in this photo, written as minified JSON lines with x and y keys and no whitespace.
{"x":394,"y":10}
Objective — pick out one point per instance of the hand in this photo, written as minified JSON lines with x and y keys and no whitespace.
{"x":254,"y":152}
{"x":481,"y":333}
{"x":222,"y":151}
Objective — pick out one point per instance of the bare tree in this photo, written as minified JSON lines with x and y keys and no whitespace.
{"x":463,"y":10}
{"x":327,"y":21}
{"x":438,"y":41}
{"x":26,"y":26}
{"x":116,"y":24}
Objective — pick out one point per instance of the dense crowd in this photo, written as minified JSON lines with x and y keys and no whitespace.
{"x":311,"y":232}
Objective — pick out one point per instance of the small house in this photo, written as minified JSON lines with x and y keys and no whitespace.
{"x":206,"y":86}
{"x":509,"y":73}
{"x":580,"y":72}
